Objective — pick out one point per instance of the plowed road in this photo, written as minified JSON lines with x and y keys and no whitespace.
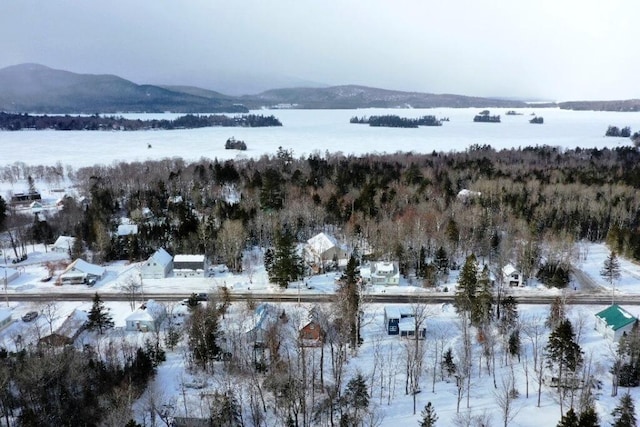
{"x":431,"y":298}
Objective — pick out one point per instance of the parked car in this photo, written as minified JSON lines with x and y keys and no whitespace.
{"x":30,"y":316}
{"x":202,"y":297}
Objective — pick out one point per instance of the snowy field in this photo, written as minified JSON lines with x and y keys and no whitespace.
{"x":308,"y":131}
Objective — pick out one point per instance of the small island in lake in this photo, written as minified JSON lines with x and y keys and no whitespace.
{"x":235,"y":144}
{"x":485,"y":117}
{"x":394,"y":121}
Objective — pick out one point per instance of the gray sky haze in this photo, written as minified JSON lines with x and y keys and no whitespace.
{"x":547,"y":49}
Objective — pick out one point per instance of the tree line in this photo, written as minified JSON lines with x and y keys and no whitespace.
{"x":12,"y":122}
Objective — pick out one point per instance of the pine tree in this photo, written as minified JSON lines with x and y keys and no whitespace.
{"x":225,"y":410}
{"x":467,"y":285}
{"x":441,"y":261}
{"x":349,"y":294}
{"x":589,"y":418}
{"x":624,"y":414}
{"x":482,"y":309}
{"x":570,"y":419}
{"x":564,"y":355}
{"x":284,"y":265}
{"x":611,"y":271}
{"x":429,"y":416}
{"x":448,"y":364}
{"x":355,"y":400}
{"x":99,"y":317}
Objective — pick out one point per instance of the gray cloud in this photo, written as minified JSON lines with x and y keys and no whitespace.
{"x":546,"y":49}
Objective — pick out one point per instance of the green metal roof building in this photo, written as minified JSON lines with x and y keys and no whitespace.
{"x":614,"y":321}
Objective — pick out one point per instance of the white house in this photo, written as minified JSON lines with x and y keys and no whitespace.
{"x":158,"y":266}
{"x":614,"y":321}
{"x":63,"y":244}
{"x":400,"y":320}
{"x":323,"y":248}
{"x":146,"y":318}
{"x":386,"y":273}
{"x":511,"y":276}
{"x":82,"y":272}
{"x":189,"y":265}
{"x":5,"y":317}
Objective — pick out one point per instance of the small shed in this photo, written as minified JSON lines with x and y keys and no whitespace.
{"x":393,"y":314}
{"x":146,"y":318}
{"x":614,"y":321}
{"x":82,"y":272}
{"x":5,"y":317}
{"x":189,"y":265}
{"x":158,"y":266}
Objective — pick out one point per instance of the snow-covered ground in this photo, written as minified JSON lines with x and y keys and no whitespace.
{"x":172,"y":376}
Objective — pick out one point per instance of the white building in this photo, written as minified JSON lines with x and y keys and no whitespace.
{"x":5,"y":317}
{"x":322,"y":249}
{"x":190,"y":265}
{"x":146,"y":318}
{"x":7,"y":275}
{"x":63,"y":244}
{"x":385,"y":273}
{"x":511,"y":276}
{"x":82,"y":272}
{"x":158,"y":266}
{"x":614,"y":321}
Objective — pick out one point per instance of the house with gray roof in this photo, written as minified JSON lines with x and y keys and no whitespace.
{"x":614,"y":321}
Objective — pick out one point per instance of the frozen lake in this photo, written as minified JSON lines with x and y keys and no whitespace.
{"x":308,"y":131}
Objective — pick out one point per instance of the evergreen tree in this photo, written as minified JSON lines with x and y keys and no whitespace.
{"x":285,"y":265}
{"x":429,"y":416}
{"x":611,"y":270}
{"x":355,"y":401}
{"x":99,"y":317}
{"x":467,"y":285}
{"x":225,"y":410}
{"x":447,"y":363}
{"x":589,"y":418}
{"x":3,"y":213}
{"x":564,"y":355}
{"x":482,"y":313}
{"x":441,"y":261}
{"x":624,"y":414}
{"x":570,"y":419}
{"x":349,"y":294}
{"x":204,"y":334}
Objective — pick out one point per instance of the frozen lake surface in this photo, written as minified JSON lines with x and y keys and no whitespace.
{"x":308,"y":131}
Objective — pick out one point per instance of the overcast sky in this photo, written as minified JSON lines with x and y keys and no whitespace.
{"x":548,"y":49}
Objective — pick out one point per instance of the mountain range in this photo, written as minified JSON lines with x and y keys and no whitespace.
{"x":34,"y":88}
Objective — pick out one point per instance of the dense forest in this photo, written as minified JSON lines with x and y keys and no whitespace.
{"x":10,"y":121}
{"x":525,"y":205}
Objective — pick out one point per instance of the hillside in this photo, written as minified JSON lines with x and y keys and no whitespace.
{"x":621,"y":105}
{"x":40,"y":89}
{"x":353,"y":96}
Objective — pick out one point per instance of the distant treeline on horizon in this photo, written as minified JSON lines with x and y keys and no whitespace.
{"x":12,"y":122}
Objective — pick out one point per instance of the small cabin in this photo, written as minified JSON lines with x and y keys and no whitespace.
{"x":311,"y":334}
